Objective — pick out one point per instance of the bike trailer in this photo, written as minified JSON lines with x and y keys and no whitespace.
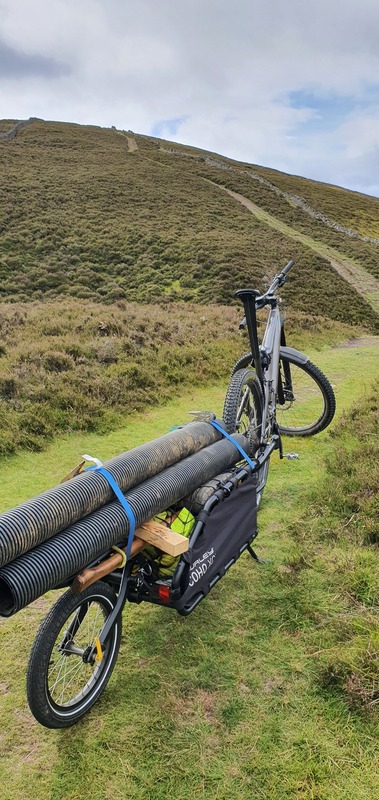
{"x":223,"y":529}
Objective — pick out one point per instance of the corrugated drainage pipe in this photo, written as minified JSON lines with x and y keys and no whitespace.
{"x":62,"y":557}
{"x":33,"y":522}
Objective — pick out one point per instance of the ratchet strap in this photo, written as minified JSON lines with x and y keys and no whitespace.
{"x":252,"y":464}
{"x":127,"y":508}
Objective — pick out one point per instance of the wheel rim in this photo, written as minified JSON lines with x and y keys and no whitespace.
{"x":304,"y":406}
{"x":69,"y":678}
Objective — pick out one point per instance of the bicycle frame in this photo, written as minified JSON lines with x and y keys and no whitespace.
{"x":271,"y":351}
{"x":267,"y":355}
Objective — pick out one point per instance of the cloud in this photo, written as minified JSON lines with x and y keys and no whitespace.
{"x":281,"y":84}
{"x":16,"y":64}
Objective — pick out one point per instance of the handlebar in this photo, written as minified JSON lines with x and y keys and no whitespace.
{"x":266,"y":298}
{"x":288,"y":266}
{"x":280,"y":279}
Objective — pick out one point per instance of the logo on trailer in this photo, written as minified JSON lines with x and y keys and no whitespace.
{"x":201,"y":566}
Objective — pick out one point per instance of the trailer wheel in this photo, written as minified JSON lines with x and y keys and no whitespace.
{"x":61,"y":684}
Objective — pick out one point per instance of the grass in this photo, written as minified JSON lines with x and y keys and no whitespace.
{"x":75,"y":365}
{"x":261,"y":692}
{"x":357,"y":212}
{"x":78,"y":365}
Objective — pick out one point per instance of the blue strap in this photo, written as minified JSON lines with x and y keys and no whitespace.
{"x":127,"y":508}
{"x":252,"y":464}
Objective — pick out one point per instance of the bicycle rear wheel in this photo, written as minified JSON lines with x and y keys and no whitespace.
{"x":61,"y":684}
{"x":243,"y":408}
{"x":306,"y":403}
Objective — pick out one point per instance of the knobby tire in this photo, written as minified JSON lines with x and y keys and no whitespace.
{"x":293,"y":417}
{"x":243,"y":409}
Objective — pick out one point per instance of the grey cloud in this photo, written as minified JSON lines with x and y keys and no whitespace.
{"x":17,"y":64}
{"x":226,"y":70}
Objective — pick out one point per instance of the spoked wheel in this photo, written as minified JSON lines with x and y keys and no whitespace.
{"x":61,"y":684}
{"x":243,"y":414}
{"x":305,"y":402}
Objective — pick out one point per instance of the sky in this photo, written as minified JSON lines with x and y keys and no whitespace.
{"x":288,"y":84}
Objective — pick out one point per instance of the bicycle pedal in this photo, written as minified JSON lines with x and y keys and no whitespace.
{"x":291,"y":456}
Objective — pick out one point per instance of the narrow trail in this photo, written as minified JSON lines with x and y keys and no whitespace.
{"x":132,"y":144}
{"x":364,"y":283}
{"x":363,"y":341}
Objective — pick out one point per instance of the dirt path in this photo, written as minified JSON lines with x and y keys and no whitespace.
{"x":364,"y":283}
{"x":363,"y":341}
{"x":132,"y":144}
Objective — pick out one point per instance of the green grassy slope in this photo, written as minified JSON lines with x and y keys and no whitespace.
{"x":74,"y":364}
{"x":83,"y":216}
{"x":269,"y":690}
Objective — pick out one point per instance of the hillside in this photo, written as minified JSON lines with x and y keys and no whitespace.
{"x":73,"y":364}
{"x":106,"y":215}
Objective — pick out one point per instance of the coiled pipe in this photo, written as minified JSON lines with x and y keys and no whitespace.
{"x":60,"y":558}
{"x":31,"y":523}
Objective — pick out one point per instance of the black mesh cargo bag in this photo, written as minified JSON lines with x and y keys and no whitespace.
{"x":219,"y":538}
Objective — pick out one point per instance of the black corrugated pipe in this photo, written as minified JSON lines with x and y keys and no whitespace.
{"x":56,"y":561}
{"x":33,"y":522}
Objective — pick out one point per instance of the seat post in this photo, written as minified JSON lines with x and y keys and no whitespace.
{"x":248,"y":297}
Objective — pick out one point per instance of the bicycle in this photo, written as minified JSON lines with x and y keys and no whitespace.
{"x":274,"y":390}
{"x":76,"y":647}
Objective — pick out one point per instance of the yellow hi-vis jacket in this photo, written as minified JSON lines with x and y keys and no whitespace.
{"x":182,"y":523}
